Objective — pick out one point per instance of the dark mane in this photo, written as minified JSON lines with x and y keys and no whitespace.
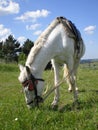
{"x":72,"y":31}
{"x":71,"y":27}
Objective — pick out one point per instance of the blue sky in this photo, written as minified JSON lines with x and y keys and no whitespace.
{"x":28,"y":18}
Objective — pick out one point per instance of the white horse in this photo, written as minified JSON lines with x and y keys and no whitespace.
{"x":61,"y":43}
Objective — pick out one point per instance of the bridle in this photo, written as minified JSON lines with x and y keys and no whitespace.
{"x":32,"y":86}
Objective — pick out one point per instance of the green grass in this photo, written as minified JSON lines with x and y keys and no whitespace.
{"x":14,"y":115}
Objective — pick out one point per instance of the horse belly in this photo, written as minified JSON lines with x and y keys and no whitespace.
{"x":61,"y":59}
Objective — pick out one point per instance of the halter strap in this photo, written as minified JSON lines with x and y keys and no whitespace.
{"x":40,"y":79}
{"x":32,"y":81}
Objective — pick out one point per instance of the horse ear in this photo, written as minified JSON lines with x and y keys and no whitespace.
{"x":28,"y":70}
{"x":21,"y":67}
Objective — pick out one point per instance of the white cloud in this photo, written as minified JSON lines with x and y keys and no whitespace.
{"x":8,"y":7}
{"x":33,"y":26}
{"x":33,"y":15}
{"x":4,"y":32}
{"x":37,"y":32}
{"x":90,"y":29}
{"x":21,"y":39}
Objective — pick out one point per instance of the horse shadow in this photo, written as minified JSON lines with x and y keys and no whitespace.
{"x":80,"y":105}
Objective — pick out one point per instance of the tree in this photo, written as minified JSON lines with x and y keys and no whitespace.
{"x":1,"y":52}
{"x":22,"y":58}
{"x":10,"y":48}
{"x":28,"y":44}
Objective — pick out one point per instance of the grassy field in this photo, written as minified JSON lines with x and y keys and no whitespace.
{"x":14,"y":115}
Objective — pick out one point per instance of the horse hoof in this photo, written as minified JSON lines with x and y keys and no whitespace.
{"x":54,"y":107}
{"x":70,"y":90}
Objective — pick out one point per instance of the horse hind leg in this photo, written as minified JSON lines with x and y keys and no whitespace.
{"x":71,"y":80}
{"x":67,"y":75}
{"x":76,"y":65}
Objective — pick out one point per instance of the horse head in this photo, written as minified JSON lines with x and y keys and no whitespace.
{"x":32,"y":86}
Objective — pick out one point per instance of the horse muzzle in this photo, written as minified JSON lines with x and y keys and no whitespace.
{"x":35,"y":103}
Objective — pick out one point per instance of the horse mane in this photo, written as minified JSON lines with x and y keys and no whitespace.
{"x":40,"y":42}
{"x":69,"y":27}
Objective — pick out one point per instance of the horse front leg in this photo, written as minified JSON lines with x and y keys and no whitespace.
{"x":56,"y":81}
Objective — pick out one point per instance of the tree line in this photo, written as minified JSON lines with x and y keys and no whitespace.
{"x":12,"y":51}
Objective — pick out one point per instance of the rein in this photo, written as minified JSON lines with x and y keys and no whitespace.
{"x":56,"y":86}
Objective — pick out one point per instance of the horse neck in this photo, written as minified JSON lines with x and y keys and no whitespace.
{"x":49,"y":50}
{"x":40,"y":61}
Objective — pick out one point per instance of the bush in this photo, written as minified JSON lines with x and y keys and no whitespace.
{"x":22,"y":58}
